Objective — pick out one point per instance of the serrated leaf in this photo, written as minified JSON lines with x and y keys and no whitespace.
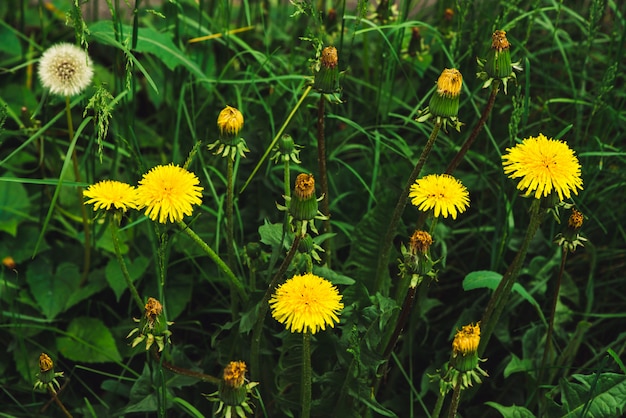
{"x":513,"y":411}
{"x":596,"y":396}
{"x":88,"y":341}
{"x":51,"y":289}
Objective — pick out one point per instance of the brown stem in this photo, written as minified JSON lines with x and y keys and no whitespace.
{"x":456,"y":397}
{"x":60,"y":404}
{"x":321,"y":160}
{"x":185,"y":372}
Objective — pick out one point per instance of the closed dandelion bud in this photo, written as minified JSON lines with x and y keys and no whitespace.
{"x":153,"y":326}
{"x":498,"y":63}
{"x":232,"y":388}
{"x":286,"y":150}
{"x":445,"y":102}
{"x":465,"y":348}
{"x":570,"y":237}
{"x":306,"y":244}
{"x":46,"y":378}
{"x":253,"y":250}
{"x":303,"y":206}
{"x":416,"y":259}
{"x":230,"y":123}
{"x":327,"y":77}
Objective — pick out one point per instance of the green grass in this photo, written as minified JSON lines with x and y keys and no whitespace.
{"x":164,"y":96}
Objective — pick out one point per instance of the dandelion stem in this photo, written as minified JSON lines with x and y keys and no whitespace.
{"x":306,"y":374}
{"x":438,"y":405}
{"x":500,"y":296}
{"x":230,"y":230}
{"x":381,"y":270}
{"x":321,"y":160}
{"x":456,"y":397}
{"x":264,"y":306}
{"x":185,"y":372}
{"x":216,"y":258}
{"x":120,"y":259}
{"x":83,"y":210}
{"x":477,"y":128}
{"x":60,"y":404}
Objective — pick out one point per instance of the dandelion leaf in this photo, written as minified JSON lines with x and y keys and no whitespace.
{"x":88,"y":340}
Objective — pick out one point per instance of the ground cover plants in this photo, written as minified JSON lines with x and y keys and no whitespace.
{"x":312,"y":208}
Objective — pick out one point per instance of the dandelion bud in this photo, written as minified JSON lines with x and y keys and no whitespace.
{"x":327,"y":77}
{"x":47,"y":378}
{"x":498,"y":63}
{"x":9,"y":262}
{"x":445,"y":102}
{"x":232,"y":390}
{"x":230,"y":123}
{"x":465,"y":348}
{"x":303,"y":205}
{"x":152,"y":326}
{"x":570,"y":238}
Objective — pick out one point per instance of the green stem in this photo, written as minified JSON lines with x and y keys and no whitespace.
{"x":381,"y":270}
{"x":287,"y":178}
{"x":306,"y":374}
{"x":83,"y":210}
{"x":185,"y":372}
{"x":230,"y":230}
{"x":456,"y":397}
{"x":264,"y":306}
{"x":321,"y":160}
{"x":438,"y":405}
{"x":500,"y":296}
{"x":216,"y":258}
{"x":122,"y":263}
{"x":495,"y":87}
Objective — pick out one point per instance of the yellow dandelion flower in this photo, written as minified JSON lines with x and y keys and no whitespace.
{"x":230,"y":121}
{"x":65,"y":69}
{"x":466,"y":340}
{"x":111,"y":193}
{"x":450,"y":82}
{"x":441,"y":192}
{"x":545,"y":166}
{"x":306,"y":303}
{"x":235,"y":374}
{"x":168,"y":192}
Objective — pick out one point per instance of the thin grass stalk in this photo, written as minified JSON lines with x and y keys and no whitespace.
{"x":501,"y":295}
{"x":495,"y":87}
{"x":83,"y":210}
{"x":321,"y":160}
{"x":264,"y":306}
{"x":381,"y":270}
{"x":120,"y":260}
{"x":306,"y":374}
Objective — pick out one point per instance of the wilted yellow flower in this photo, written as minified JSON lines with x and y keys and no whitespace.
{"x":65,"y":69}
{"x":545,"y":166}
{"x":306,"y":303}
{"x":110,"y":193}
{"x":466,"y":340}
{"x":230,"y":122}
{"x":440,"y":192}
{"x":168,"y":193}
{"x":450,"y":82}
{"x":234,"y":374}
{"x":420,"y":242}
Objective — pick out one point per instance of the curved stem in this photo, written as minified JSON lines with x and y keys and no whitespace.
{"x":306,"y":374}
{"x":122,"y":263}
{"x":216,"y":258}
{"x":381,"y":270}
{"x":264,"y":306}
{"x":495,"y":87}
{"x":500,"y":296}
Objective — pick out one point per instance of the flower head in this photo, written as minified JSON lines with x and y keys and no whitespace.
{"x":545,"y":166}
{"x":232,"y":395}
{"x":168,"y":192}
{"x":498,"y":64}
{"x":464,"y":363}
{"x":47,"y":377}
{"x":113,"y":194}
{"x":65,"y":69}
{"x":444,"y":103}
{"x":420,"y":242}
{"x":230,"y":122}
{"x":234,"y":374}
{"x":327,"y":75}
{"x":306,"y":303}
{"x":450,"y":82}
{"x":441,"y":192}
{"x":153,"y":327}
{"x":416,"y":261}
{"x":466,"y":340}
{"x":571,"y":238}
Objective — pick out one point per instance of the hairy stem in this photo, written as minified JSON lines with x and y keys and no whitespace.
{"x":321,"y":160}
{"x":120,"y":260}
{"x":306,"y":374}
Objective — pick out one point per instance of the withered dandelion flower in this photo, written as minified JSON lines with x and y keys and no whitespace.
{"x":230,"y":122}
{"x":545,"y":166}
{"x":109,"y":194}
{"x":168,"y":193}
{"x":449,"y":83}
{"x":65,"y":69}
{"x":306,"y":303}
{"x":441,"y":192}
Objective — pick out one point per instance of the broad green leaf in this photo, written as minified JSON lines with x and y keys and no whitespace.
{"x":332,"y":276}
{"x":517,"y":365}
{"x":52,"y":289}
{"x":593,"y":395}
{"x":115,"y":278}
{"x":513,"y":411}
{"x":490,"y":280}
{"x":9,"y":42}
{"x":271,"y":234}
{"x":13,"y":205}
{"x":88,"y":341}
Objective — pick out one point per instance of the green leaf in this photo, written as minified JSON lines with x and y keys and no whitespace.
{"x":332,"y":276}
{"x":491,"y":279}
{"x":51,"y":289}
{"x":517,"y":365}
{"x":13,"y":205}
{"x":511,"y":411}
{"x":271,"y":234}
{"x":88,"y":341}
{"x":593,"y":395}
{"x":115,"y":278}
